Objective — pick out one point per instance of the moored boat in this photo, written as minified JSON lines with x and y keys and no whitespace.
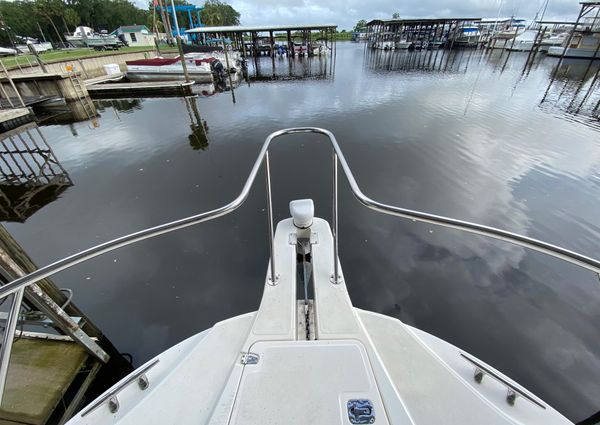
{"x":199,"y":69}
{"x":553,"y":40}
{"x":466,"y":36}
{"x":524,"y":42}
{"x":403,"y":44}
{"x":87,"y":37}
{"x":313,"y":358}
{"x":582,"y":45}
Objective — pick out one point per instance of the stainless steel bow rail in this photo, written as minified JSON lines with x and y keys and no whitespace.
{"x":17,"y":286}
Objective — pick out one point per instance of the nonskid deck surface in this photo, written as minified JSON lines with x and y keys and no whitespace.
{"x":362,"y":367}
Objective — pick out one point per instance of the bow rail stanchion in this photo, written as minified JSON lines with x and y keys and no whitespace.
{"x":262,"y":159}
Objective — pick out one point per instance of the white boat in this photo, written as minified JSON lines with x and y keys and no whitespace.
{"x":553,"y":40}
{"x":233,"y":57}
{"x":582,"y":45}
{"x":319,"y":49}
{"x":311,"y":360}
{"x":39,"y":47}
{"x":87,"y":37}
{"x":162,"y":69}
{"x":466,"y":36}
{"x":300,"y":49}
{"x":4,"y":51}
{"x":385,"y":41}
{"x":385,"y":45}
{"x":524,"y":42}
{"x":403,"y":44}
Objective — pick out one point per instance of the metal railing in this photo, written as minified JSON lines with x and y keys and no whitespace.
{"x":263,"y":159}
{"x":17,"y":286}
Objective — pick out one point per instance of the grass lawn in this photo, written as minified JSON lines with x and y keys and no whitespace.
{"x":63,"y":55}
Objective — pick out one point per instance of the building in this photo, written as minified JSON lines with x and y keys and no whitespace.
{"x":135,"y":35}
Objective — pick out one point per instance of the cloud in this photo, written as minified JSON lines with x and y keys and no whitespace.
{"x":346,"y":13}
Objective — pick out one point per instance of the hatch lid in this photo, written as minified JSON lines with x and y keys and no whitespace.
{"x":305,"y":382}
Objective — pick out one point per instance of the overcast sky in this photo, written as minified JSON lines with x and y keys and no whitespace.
{"x":345,"y":13}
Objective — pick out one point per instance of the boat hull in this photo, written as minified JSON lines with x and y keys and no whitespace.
{"x":576,"y":53}
{"x":403,"y":45}
{"x":264,"y":367}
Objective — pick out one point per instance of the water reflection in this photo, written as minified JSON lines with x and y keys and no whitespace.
{"x":30,"y":174}
{"x":199,"y":136}
{"x":119,"y":105}
{"x":287,"y":68}
{"x":70,"y":112}
{"x":438,"y":60}
{"x":573,"y":89}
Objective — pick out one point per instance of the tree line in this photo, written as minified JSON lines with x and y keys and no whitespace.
{"x":49,"y":20}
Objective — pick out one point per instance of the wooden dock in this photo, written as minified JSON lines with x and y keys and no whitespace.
{"x":28,"y":100}
{"x":105,"y":79}
{"x":12,"y":118}
{"x":49,"y":375}
{"x":41,"y":373}
{"x":141,"y":89}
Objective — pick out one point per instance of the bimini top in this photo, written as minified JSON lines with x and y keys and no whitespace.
{"x":262,"y":28}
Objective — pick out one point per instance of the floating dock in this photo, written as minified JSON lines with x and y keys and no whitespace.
{"x":141,"y":89}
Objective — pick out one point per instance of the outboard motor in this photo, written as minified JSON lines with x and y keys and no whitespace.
{"x":217,"y":68}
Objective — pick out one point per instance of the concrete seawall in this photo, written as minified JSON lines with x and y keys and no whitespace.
{"x":90,"y":67}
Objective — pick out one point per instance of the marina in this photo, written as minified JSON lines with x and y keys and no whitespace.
{"x":218,"y":216}
{"x":201,"y":140}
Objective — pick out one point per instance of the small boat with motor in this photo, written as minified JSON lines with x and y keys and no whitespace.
{"x":467,"y":36}
{"x":403,"y":44}
{"x":87,"y":37}
{"x":528,"y":39}
{"x":203,"y":68}
{"x":307,"y":355}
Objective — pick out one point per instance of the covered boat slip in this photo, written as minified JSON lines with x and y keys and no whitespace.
{"x":252,"y":40}
{"x":584,"y":39}
{"x":357,"y":367}
{"x":429,"y":30}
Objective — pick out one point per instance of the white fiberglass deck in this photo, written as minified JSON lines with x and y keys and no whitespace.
{"x":260,"y":368}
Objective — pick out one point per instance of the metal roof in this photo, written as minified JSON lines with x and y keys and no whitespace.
{"x":262,"y":28}
{"x":419,"y":20}
{"x":556,"y":22}
{"x":132,"y":28}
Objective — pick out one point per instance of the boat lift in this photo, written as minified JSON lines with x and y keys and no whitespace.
{"x":191,"y":12}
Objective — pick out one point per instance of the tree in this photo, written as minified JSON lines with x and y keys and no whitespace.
{"x":17,"y":18}
{"x":50,"y":9}
{"x":360,"y":26}
{"x":217,"y":13}
{"x":395,"y":15}
{"x":70,"y":19}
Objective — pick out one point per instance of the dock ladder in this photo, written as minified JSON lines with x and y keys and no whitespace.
{"x":81,"y":93}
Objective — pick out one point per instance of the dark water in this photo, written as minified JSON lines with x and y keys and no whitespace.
{"x":464,"y":134}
